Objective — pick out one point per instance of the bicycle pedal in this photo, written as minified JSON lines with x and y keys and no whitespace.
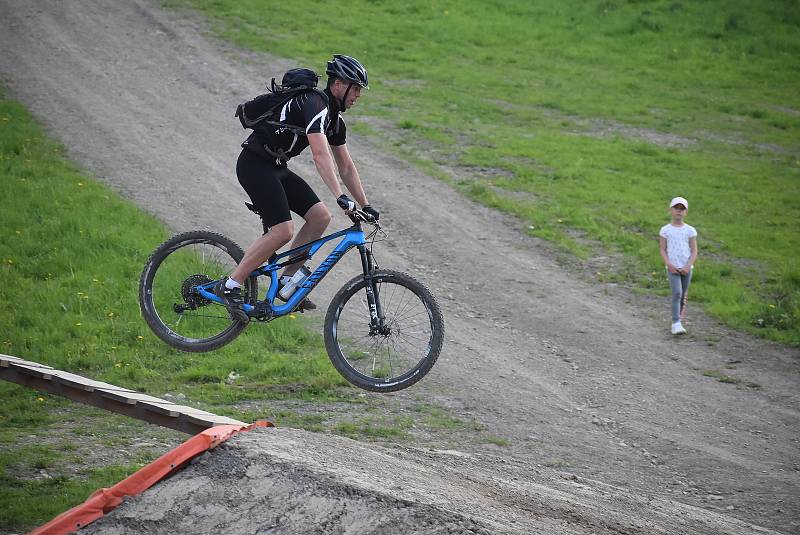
{"x":261,"y":312}
{"x":302,"y":308}
{"x":304,"y":305}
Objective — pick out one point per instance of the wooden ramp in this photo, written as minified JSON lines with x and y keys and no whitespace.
{"x":113,"y":398}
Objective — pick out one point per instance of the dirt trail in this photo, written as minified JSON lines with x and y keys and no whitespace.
{"x":576,"y":376}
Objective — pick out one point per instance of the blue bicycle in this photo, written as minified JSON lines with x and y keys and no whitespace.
{"x":383,"y":329}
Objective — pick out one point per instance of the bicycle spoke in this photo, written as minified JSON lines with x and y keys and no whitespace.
{"x":389,"y":354}
{"x":183,"y":268}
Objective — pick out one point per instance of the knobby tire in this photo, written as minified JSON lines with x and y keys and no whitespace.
{"x":391,"y":361}
{"x":174,"y":267}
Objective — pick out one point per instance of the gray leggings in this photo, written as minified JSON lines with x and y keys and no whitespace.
{"x":680,"y":287}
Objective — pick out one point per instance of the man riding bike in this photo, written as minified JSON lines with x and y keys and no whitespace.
{"x":275,"y":190}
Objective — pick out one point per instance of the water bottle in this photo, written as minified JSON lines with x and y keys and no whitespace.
{"x":297,"y":279}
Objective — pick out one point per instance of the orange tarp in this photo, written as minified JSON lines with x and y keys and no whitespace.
{"x":105,"y":500}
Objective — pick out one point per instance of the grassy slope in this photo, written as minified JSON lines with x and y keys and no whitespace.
{"x":73,"y":254}
{"x":517,"y":89}
{"x":70,"y":260}
{"x":598,"y":112}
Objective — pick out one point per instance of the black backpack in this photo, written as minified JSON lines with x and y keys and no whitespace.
{"x":261,"y":111}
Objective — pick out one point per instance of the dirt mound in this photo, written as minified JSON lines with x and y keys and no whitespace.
{"x":288,"y":481}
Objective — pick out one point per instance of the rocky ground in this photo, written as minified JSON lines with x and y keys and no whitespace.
{"x":608,"y":424}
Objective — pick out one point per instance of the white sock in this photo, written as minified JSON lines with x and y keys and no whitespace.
{"x":231,"y":284}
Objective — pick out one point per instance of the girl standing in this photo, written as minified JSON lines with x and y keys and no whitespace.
{"x":678,"y":245}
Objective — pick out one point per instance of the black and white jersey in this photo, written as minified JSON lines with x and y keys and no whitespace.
{"x":311,"y":114}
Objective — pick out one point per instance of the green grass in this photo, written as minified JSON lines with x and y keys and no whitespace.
{"x":730,"y":379}
{"x":498,"y":441}
{"x":375,"y":428}
{"x":721,"y":377}
{"x":437,"y":418}
{"x":44,"y":447}
{"x":22,"y":494}
{"x":70,"y":259}
{"x":585,"y":118}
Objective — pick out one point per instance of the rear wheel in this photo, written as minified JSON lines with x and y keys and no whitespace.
{"x":170,"y":304}
{"x":402,"y":351}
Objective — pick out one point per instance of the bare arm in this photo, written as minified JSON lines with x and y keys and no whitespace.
{"x":349,"y":174}
{"x":693,"y":248}
{"x":662,"y":246}
{"x":324,"y":162}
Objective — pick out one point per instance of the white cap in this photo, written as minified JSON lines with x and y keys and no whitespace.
{"x":679,"y":200}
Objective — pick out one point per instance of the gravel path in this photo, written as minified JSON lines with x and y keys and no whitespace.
{"x":612,"y":426}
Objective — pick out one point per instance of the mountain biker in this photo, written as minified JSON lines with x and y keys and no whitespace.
{"x":275,"y":190}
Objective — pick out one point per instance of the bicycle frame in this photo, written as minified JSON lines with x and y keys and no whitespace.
{"x":350,"y":237}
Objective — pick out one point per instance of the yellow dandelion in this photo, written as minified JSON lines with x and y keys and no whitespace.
{"x":771,"y":306}
{"x":292,"y":317}
{"x":95,"y":280}
{"x":40,"y":399}
{"x":110,"y":314}
{"x":118,"y":365}
{"x":78,"y":324}
{"x":140,"y":337}
{"x":80,"y":184}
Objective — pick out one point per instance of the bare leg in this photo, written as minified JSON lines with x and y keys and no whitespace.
{"x":317,"y":219}
{"x":262,"y":249}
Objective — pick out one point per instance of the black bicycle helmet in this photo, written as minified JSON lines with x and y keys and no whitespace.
{"x":348,"y":69}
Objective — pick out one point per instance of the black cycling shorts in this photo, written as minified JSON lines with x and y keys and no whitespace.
{"x":274,"y":190}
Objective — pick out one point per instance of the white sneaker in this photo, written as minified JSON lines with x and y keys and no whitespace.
{"x":677,"y":328}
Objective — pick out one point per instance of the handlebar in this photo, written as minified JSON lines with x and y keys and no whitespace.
{"x":360,"y":216}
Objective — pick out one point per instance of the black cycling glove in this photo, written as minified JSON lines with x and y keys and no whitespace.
{"x":371,"y":211}
{"x":346,"y":203}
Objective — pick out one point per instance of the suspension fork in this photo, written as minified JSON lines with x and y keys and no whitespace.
{"x":376,"y":317}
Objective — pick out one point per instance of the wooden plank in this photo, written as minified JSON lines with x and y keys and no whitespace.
{"x":213,"y":419}
{"x":17,"y":360}
{"x":109,"y":397}
{"x":35,"y":372}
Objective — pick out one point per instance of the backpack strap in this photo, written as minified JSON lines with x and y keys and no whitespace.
{"x":257,"y":114}
{"x":267,"y":105}
{"x":279,"y":155}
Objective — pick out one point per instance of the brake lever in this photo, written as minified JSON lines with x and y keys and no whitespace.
{"x":361,"y":215}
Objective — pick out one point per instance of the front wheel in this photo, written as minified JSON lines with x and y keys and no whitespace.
{"x":168,"y":298}
{"x":398,"y":354}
